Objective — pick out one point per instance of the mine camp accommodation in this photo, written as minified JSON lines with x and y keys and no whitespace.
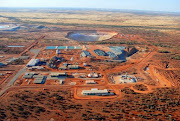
{"x":95,"y":91}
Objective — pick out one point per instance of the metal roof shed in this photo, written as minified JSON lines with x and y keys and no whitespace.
{"x":63,"y":67}
{"x":32,"y":62}
{"x":95,"y":91}
{"x":58,"y":74}
{"x":90,"y":82}
{"x":28,"y":76}
{"x":2,"y":64}
{"x":73,"y":66}
{"x":39,"y":80}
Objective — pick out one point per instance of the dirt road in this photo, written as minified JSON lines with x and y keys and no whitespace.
{"x":24,"y":68}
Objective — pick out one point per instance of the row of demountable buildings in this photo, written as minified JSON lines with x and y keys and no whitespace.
{"x":96,"y":92}
{"x":38,"y":79}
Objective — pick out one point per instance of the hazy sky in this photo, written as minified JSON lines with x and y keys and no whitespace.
{"x":153,"y":5}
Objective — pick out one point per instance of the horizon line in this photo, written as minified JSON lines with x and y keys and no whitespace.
{"x":92,"y":9}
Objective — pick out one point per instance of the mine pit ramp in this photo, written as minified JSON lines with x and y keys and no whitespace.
{"x":107,"y":36}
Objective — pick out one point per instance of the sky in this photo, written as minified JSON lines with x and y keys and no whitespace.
{"x":151,"y":5}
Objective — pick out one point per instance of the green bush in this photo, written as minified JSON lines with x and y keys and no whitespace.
{"x":121,"y":42}
{"x":176,"y":57}
{"x":163,"y":51}
{"x":161,"y":45}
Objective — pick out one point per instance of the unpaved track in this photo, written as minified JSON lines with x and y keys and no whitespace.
{"x":162,"y":81}
{"x":32,"y":45}
{"x":23,"y":69}
{"x":92,"y":97}
{"x":149,"y":90}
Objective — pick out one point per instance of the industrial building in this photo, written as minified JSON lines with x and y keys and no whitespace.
{"x":36,"y":67}
{"x":57,"y":52}
{"x":73,"y":67}
{"x":93,"y":75}
{"x":32,"y":62}
{"x":85,"y":64}
{"x":28,"y":75}
{"x":90,"y":82}
{"x":96,"y":92}
{"x":67,"y":66}
{"x":63,"y":67}
{"x":127,"y":79}
{"x":39,"y":79}
{"x":58,"y":74}
{"x":2,"y":64}
{"x":53,"y":61}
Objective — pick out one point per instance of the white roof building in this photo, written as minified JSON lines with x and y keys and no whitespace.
{"x":84,"y":64}
{"x":32,"y":62}
{"x":93,"y":75}
{"x":90,"y":82}
{"x":36,"y":67}
{"x":57,"y":51}
{"x":73,"y":83}
{"x":95,"y":91}
{"x":56,"y":74}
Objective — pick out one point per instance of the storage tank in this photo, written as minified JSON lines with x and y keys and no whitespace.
{"x":84,"y":64}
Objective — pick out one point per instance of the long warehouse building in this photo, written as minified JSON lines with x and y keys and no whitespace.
{"x":32,"y":62}
{"x":95,"y":91}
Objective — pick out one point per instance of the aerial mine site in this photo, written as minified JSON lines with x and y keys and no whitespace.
{"x":76,"y":64}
